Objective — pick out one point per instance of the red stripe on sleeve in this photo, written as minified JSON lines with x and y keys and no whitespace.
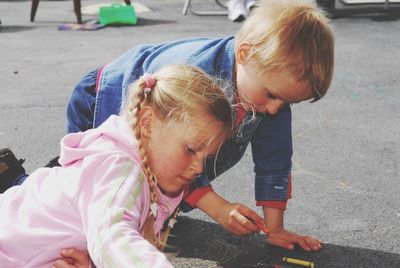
{"x":272,"y":204}
{"x":196,"y":195}
{"x":98,"y":77}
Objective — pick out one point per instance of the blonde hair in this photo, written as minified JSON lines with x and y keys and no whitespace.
{"x":293,"y":36}
{"x":179,"y":93}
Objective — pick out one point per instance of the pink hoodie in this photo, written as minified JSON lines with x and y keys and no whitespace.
{"x":99,"y":200}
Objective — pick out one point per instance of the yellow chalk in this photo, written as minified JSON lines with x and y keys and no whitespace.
{"x":299,"y":262}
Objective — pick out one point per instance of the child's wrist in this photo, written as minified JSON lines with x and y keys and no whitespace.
{"x":273,"y":217}
{"x":211,"y":204}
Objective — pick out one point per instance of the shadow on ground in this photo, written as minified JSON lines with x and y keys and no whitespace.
{"x":15,"y":28}
{"x":208,"y":241}
{"x":146,"y":22}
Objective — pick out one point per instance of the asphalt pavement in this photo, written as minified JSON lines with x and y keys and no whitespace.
{"x":346,"y":158}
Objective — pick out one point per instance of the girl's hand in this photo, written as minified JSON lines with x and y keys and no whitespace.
{"x":238,"y":219}
{"x":72,"y":258}
{"x":285,"y":239}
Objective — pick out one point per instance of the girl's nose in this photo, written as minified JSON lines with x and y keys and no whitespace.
{"x":197,"y":165}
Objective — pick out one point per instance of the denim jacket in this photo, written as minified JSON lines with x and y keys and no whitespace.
{"x":270,"y":136}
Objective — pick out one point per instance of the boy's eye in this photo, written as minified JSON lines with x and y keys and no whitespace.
{"x":270,"y":96}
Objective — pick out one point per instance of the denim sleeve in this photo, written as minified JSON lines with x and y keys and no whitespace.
{"x":272,"y":151}
{"x":80,"y":107}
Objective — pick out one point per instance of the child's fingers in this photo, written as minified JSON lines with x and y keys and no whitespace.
{"x":243,"y":224}
{"x":62,"y":263}
{"x":276,"y":240}
{"x":249,"y":219}
{"x":239,"y":229}
{"x":78,"y":256}
{"x":238,"y":224}
{"x":250,"y":214}
{"x":311,"y":243}
{"x":304,"y":245}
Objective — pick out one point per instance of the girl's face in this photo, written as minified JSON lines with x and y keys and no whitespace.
{"x":177,"y":152}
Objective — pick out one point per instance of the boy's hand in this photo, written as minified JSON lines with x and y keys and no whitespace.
{"x":283,"y":238}
{"x":72,"y":258}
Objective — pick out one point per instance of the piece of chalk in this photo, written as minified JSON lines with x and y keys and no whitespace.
{"x":263,"y":228}
{"x":299,"y":262}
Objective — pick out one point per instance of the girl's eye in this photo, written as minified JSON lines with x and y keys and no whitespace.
{"x":190,"y":150}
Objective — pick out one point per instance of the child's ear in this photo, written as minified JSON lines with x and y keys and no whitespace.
{"x":242,"y":52}
{"x":146,"y":116}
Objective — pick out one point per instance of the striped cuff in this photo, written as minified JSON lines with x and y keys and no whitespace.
{"x":272,"y":204}
{"x":277,"y":204}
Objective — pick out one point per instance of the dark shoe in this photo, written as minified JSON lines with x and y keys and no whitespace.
{"x":53,"y":162}
{"x":10,"y":169}
{"x":237,"y":11}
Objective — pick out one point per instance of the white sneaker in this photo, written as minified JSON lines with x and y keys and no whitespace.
{"x":250,"y":4}
{"x":237,"y":10}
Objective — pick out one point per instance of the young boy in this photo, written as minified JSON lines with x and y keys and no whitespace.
{"x":282,"y":54}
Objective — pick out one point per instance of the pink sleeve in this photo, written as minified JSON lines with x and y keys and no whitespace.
{"x":111,"y":203}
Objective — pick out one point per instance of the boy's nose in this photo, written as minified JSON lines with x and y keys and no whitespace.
{"x":273,"y":107}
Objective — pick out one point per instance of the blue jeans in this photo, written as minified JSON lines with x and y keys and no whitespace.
{"x":81,"y":104}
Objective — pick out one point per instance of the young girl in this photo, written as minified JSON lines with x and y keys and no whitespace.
{"x":118,"y":183}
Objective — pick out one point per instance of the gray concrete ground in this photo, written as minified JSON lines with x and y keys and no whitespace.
{"x":347,"y":146}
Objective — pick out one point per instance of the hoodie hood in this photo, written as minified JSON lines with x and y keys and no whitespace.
{"x":114,"y":135}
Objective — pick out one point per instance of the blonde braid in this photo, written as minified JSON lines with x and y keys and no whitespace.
{"x":167,"y":231}
{"x":134,"y":110}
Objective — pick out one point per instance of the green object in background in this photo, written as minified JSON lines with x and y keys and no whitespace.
{"x":117,"y":14}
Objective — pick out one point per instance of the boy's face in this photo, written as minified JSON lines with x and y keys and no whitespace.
{"x":268,"y":92}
